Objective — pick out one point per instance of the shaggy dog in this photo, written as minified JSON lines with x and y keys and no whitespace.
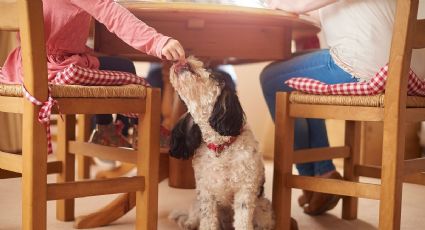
{"x":229,"y":170}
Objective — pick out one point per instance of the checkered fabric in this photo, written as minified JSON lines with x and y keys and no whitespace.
{"x":44,"y":114}
{"x":76,"y":75}
{"x":376,"y":85}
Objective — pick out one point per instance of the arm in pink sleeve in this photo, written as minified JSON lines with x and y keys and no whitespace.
{"x":125,"y":25}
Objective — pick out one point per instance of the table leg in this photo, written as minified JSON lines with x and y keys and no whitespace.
{"x":181,"y":173}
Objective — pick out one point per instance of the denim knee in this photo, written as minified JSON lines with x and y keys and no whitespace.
{"x":264,"y":77}
{"x":155,"y":77}
{"x":116,"y":64}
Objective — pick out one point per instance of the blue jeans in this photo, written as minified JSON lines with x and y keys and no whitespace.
{"x":115,"y":64}
{"x":309,"y":133}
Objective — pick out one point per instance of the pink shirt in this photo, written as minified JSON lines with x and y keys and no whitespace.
{"x":67,"y":24}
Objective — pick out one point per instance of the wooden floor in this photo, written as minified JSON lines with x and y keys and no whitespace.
{"x":413,"y":216}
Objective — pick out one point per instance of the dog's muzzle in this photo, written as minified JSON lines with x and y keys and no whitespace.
{"x":181,"y":66}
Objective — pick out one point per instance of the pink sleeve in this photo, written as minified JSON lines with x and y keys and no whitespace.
{"x":125,"y":25}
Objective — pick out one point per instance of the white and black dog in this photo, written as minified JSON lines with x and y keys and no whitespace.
{"x":229,"y":169}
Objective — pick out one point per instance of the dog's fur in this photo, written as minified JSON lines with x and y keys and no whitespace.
{"x":230,"y":183}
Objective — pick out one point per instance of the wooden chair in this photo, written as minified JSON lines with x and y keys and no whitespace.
{"x":27,"y":17}
{"x":394,"y":112}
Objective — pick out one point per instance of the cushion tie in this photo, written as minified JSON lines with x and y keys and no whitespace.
{"x":44,"y":114}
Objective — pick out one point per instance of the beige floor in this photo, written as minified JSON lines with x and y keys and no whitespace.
{"x":413,"y":216}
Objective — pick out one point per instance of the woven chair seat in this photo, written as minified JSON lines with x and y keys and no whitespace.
{"x":368,"y":101}
{"x":78,"y":91}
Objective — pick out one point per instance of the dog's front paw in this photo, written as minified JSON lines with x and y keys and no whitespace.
{"x":183,"y":221}
{"x":190,"y":226}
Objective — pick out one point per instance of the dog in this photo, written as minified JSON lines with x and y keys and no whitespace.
{"x":229,"y":169}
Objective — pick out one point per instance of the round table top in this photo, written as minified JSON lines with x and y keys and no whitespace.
{"x":221,"y":12}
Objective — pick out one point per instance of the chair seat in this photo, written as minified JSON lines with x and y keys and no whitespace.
{"x":367,"y":101}
{"x":79,"y":91}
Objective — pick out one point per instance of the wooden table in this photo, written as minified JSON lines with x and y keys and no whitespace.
{"x":217,"y":34}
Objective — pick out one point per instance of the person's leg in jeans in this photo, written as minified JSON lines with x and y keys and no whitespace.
{"x":106,"y":132}
{"x":309,"y":133}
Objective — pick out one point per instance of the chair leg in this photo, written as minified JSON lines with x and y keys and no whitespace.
{"x":66,"y":132}
{"x":148,"y":162}
{"x":352,"y":140}
{"x":284,"y":148}
{"x":84,"y":131}
{"x":34,"y":172}
{"x":392,"y":174}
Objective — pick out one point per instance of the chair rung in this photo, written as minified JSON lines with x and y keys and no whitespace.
{"x":4,"y":174}
{"x":100,"y":105}
{"x":68,"y":190}
{"x":416,"y":178}
{"x":11,"y":162}
{"x":9,"y":19}
{"x":414,"y":166}
{"x":54,"y":167}
{"x":11,"y":104}
{"x":320,"y":154}
{"x":415,"y":114}
{"x":375,"y":172}
{"x":368,"y":171}
{"x":104,"y":152}
{"x":419,"y":39}
{"x":332,"y":186}
{"x":338,"y":112}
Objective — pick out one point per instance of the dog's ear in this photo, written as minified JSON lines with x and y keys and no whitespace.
{"x":186,"y":137}
{"x":227,"y":117}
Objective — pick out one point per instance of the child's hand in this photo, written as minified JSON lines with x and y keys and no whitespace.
{"x":173,"y":50}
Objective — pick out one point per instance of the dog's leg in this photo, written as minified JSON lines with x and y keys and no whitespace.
{"x":209,"y":212}
{"x":193,"y":218}
{"x":263,"y":215}
{"x":187,"y":220}
{"x":244,"y":206}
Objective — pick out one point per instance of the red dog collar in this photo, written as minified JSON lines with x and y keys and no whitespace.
{"x":219,"y":148}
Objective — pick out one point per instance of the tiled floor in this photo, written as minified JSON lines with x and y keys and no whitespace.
{"x":413,"y":216}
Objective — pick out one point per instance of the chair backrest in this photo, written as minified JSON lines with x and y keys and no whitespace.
{"x":408,"y":34}
{"x":27,"y":17}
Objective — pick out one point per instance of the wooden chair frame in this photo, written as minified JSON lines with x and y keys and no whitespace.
{"x":409,"y":33}
{"x":27,"y":17}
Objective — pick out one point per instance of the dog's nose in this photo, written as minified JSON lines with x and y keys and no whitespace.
{"x":181,"y":66}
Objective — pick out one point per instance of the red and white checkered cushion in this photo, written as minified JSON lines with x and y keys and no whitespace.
{"x":376,"y":85}
{"x":76,"y":75}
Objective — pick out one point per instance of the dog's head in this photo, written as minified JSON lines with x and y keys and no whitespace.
{"x":210,"y":97}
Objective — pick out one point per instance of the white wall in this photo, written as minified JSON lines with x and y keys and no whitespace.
{"x":255,"y":107}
